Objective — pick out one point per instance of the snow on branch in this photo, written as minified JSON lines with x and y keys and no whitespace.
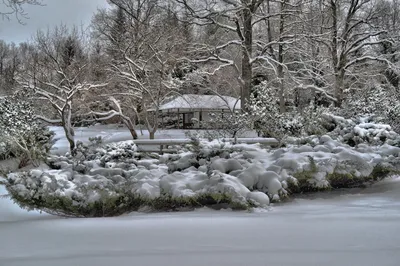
{"x":101,"y":116}
{"x":360,"y":43}
{"x":117,"y":112}
{"x":324,"y":92}
{"x":48,"y":120}
{"x":366,"y":58}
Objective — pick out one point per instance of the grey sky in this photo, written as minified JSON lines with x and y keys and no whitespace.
{"x":54,"y":12}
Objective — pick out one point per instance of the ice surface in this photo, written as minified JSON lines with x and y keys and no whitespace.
{"x":109,"y":133}
{"x":358,"y":229}
{"x":114,"y":133}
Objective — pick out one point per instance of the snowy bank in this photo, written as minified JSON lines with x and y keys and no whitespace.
{"x":115,"y":178}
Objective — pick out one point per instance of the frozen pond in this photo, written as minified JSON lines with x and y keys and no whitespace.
{"x":113,"y":133}
{"x":109,"y":133}
{"x":360,"y":228}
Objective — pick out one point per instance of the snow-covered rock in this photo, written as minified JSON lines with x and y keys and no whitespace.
{"x":258,"y":198}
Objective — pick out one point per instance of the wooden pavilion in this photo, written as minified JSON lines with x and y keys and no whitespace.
{"x":190,"y":110}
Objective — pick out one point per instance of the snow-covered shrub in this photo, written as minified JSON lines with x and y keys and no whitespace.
{"x":392,"y":116}
{"x":113,"y":191}
{"x":264,"y":111}
{"x":377,"y":101}
{"x":226,"y":125}
{"x":368,"y":101}
{"x":83,"y":151}
{"x":72,"y":194}
{"x":358,"y":131}
{"x":116,"y":180}
{"x":21,"y":135}
{"x":4,"y":150}
{"x":312,"y":120}
{"x":105,"y":155}
{"x":263,"y":115}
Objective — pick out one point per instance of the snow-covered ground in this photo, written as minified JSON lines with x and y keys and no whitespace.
{"x":359,"y":227}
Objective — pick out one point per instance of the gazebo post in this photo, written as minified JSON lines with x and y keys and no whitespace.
{"x":200,"y":118}
{"x":162,"y":120}
{"x":178,"y":119}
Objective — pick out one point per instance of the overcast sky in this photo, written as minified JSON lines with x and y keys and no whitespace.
{"x":54,"y":12}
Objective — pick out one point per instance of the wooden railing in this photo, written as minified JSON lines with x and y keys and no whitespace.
{"x":164,"y":145}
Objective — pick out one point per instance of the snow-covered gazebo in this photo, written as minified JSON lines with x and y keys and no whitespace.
{"x":191,"y":109}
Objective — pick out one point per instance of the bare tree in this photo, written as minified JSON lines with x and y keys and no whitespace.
{"x":142,"y":73}
{"x":236,"y":16}
{"x":259,"y":30}
{"x":346,"y":36}
{"x":58,"y":75}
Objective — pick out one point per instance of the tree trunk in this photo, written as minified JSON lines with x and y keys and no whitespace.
{"x":247,"y":71}
{"x":152,"y":129}
{"x":269,"y":31}
{"x":71,"y":142}
{"x":282,"y":103}
{"x":335,"y":56}
{"x":339,"y":82}
{"x":68,"y":130}
{"x":133,"y":133}
{"x":128,"y":123}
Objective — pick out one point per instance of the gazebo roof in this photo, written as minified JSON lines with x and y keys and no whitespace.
{"x":199,"y":102}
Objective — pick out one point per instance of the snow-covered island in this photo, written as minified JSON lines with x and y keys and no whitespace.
{"x":114,"y":178}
